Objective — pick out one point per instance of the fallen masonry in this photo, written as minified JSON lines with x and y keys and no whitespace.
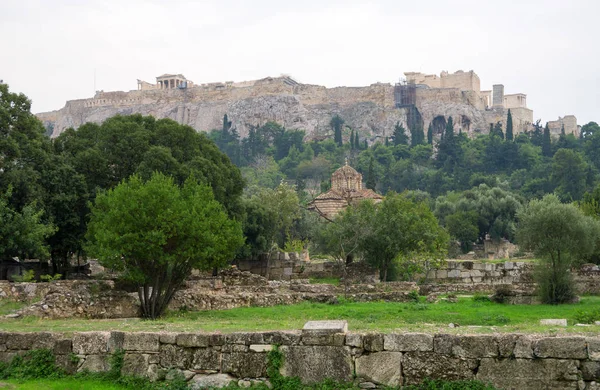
{"x":328,"y":350}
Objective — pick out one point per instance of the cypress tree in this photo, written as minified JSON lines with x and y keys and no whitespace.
{"x":416,"y":135}
{"x":352,"y":140}
{"x":371,"y":183}
{"x":356,"y":141}
{"x":547,"y":142}
{"x":449,"y":129}
{"x":366,"y":145}
{"x":509,"y":127}
{"x":430,"y":134}
{"x":400,"y":137}
{"x":336,"y":124}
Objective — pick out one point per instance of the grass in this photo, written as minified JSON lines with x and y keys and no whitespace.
{"x":334,"y":281}
{"x":471,"y":316}
{"x":59,"y":384}
{"x":7,"y":306}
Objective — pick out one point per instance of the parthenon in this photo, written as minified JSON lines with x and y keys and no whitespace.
{"x":166,"y":81}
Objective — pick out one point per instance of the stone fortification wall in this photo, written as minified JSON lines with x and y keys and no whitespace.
{"x":508,"y":361}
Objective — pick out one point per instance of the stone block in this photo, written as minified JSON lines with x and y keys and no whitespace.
{"x":523,"y":347}
{"x":288,"y":271}
{"x":6,"y":357}
{"x":241,"y":338}
{"x":193,"y":340}
{"x":373,"y":342}
{"x":144,"y":342}
{"x":25,"y":341}
{"x":408,"y":342}
{"x":174,"y":356}
{"x":280,"y":338}
{"x":506,"y":344}
{"x":354,"y":340}
{"x":245,"y":365}
{"x":200,"y":382}
{"x":260,"y":348}
{"x":336,"y":339}
{"x":135,"y":364}
{"x":553,"y":322}
{"x":561,"y":348}
{"x":441,"y":274}
{"x":95,"y":363}
{"x":381,"y":367}
{"x":206,"y":359}
{"x":234,"y":348}
{"x":593,"y":344}
{"x":314,"y":364}
{"x":91,"y":343}
{"x":529,"y":373}
{"x":168,"y":338}
{"x":325,"y":327}
{"x":454,"y":273}
{"x":466,"y":346}
{"x":417,"y":366}
{"x":63,"y":347}
{"x":67,"y":363}
{"x":590,"y":371}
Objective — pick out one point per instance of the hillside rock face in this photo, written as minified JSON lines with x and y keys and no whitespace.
{"x":369,"y":110}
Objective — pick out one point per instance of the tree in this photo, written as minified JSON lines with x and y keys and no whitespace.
{"x":417,"y":137}
{"x":356,"y":141}
{"x":497,"y":130}
{"x":569,"y":172}
{"x":399,"y":136}
{"x":352,"y":140}
{"x":547,"y":142}
{"x":462,"y":225}
{"x":371,"y":180}
{"x":156,"y":233}
{"x":509,"y":126}
{"x":400,"y":228}
{"x":336,"y":124}
{"x":560,"y":235}
{"x":430,"y":134}
{"x":22,"y":233}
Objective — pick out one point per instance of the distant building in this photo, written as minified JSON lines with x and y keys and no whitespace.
{"x":346,"y":189}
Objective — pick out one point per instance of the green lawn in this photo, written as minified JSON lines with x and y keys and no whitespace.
{"x":471,"y":316}
{"x":59,"y":384}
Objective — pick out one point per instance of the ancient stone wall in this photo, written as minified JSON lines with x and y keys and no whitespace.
{"x":508,"y":361}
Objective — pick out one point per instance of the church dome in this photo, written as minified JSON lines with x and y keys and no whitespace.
{"x":346,"y":178}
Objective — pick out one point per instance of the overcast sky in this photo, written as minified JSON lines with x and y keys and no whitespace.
{"x":547,"y":49}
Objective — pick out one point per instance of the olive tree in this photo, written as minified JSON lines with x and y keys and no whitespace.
{"x":560,"y":234}
{"x":156,"y":232}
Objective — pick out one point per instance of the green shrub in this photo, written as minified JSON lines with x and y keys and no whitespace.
{"x":501,"y":294}
{"x":413,"y":296}
{"x":479,"y":297}
{"x":34,"y":364}
{"x":28,"y":276}
{"x":587,"y":317}
{"x":50,"y":278}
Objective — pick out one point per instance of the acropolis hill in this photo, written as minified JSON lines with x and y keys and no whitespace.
{"x":372,"y":110}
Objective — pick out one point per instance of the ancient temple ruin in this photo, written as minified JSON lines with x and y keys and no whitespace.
{"x":346,"y":189}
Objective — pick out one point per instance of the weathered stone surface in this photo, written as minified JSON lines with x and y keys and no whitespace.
{"x":381,"y":367}
{"x":590,"y":371}
{"x":201,"y":382}
{"x":553,"y":322}
{"x":325,"y":327}
{"x":95,"y":363}
{"x":593,"y":344}
{"x":146,"y":342}
{"x":524,"y":347}
{"x":260,"y":348}
{"x":85,"y":343}
{"x":206,"y":359}
{"x":373,"y":342}
{"x":63,"y":347}
{"x":193,"y":340}
{"x":23,"y":341}
{"x":245,"y":365}
{"x":506,"y":344}
{"x":67,"y":363}
{"x":135,"y":364}
{"x":174,"y":356}
{"x":466,"y":346}
{"x":354,"y":340}
{"x":561,"y":347}
{"x":416,"y":366}
{"x":529,"y":373}
{"x":315,"y":364}
{"x":408,"y":342}
{"x":168,"y":338}
{"x":336,"y":339}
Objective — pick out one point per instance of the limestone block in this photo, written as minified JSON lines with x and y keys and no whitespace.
{"x":478,"y":266}
{"x":441,"y":274}
{"x":95,"y":363}
{"x":354,"y":340}
{"x":529,"y":373}
{"x":63,"y":347}
{"x":260,"y":348}
{"x":325,"y":327}
{"x":408,"y":342}
{"x":200,"y":382}
{"x":416,"y":366}
{"x":146,"y":342}
{"x":373,"y":342}
{"x":454,"y":273}
{"x":280,"y":338}
{"x":206,"y":359}
{"x":135,"y":364}
{"x":554,"y":322}
{"x":168,"y":338}
{"x":524,"y":347}
{"x":314,"y":364}
{"x":561,"y":347}
{"x":594,"y":348}
{"x":324,"y":339}
{"x":476,"y":274}
{"x":590,"y":371}
{"x":466,"y":346}
{"x":245,"y":365}
{"x":381,"y":367}
{"x":25,"y":341}
{"x":174,"y":356}
{"x":90,"y":343}
{"x":506,"y":344}
{"x":241,"y":338}
{"x":67,"y":363}
{"x":234,"y":348}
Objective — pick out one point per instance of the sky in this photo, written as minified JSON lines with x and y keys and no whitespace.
{"x":59,"y":50}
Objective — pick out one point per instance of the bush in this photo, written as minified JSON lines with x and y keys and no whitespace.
{"x":479,"y":297}
{"x":28,"y":276}
{"x":35,"y":364}
{"x":587,"y":317}
{"x":50,"y":278}
{"x":413,"y":296}
{"x":502,"y":294}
